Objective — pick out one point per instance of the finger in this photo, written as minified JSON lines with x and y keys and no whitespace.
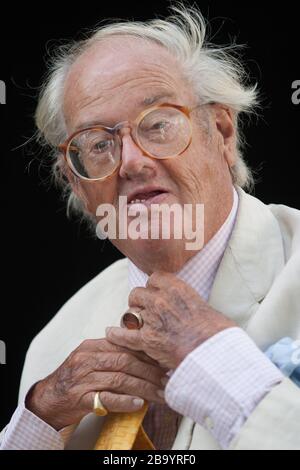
{"x":138,"y":354}
{"x":161,"y":279}
{"x":127,"y":363}
{"x":103,"y":345}
{"x":139,"y":297}
{"x":114,"y":402}
{"x":169,"y":283}
{"x":130,"y":339}
{"x":118,"y":382}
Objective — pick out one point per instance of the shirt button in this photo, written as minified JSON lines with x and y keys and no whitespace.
{"x":209,"y":424}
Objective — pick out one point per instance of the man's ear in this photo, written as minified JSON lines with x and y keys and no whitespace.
{"x":225,"y":124}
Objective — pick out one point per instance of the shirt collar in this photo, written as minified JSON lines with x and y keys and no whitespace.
{"x":200,"y":271}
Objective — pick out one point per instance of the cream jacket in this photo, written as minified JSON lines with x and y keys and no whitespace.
{"x":257,"y":285}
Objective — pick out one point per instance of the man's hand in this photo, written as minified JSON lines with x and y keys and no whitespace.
{"x":176,"y":320}
{"x":67,"y":395}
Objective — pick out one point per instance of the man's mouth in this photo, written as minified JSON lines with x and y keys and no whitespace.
{"x":147,"y":197}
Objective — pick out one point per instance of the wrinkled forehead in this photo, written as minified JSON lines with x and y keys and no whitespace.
{"x":119,"y":76}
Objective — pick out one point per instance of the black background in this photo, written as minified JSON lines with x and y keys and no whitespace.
{"x":45,"y":258}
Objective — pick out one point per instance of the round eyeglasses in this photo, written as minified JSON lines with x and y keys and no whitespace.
{"x":161,"y":132}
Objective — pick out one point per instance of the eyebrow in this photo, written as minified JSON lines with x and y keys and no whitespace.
{"x":147,"y":101}
{"x":154,"y":99}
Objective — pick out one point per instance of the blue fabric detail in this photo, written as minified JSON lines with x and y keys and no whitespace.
{"x":285,"y":354}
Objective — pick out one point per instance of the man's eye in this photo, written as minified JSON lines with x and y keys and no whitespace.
{"x":159,"y":126}
{"x":102,"y":146}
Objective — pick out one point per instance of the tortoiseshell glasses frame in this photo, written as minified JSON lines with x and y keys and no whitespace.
{"x":133,"y":126}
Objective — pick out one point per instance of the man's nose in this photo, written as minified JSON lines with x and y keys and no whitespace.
{"x":134,"y":161}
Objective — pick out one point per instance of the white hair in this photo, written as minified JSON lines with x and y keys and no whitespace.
{"x":216,"y":74}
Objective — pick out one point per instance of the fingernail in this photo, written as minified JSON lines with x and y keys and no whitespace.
{"x":161,"y":393}
{"x":107,"y":330}
{"x":164,"y":381}
{"x":138,"y":402}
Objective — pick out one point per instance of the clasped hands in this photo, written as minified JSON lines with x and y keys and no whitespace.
{"x":129,"y":366}
{"x":175,"y":321}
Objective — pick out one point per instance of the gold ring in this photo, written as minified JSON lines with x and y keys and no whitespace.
{"x":132,"y":320}
{"x":99,"y":409}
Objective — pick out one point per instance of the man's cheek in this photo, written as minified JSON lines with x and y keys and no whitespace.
{"x":99,"y":196}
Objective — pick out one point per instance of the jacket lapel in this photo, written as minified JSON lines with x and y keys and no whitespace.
{"x":252,"y":260}
{"x":109,"y":312}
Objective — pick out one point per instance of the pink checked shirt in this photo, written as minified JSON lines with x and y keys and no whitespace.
{"x":218,"y":385}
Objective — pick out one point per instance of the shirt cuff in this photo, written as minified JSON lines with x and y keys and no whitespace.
{"x":26,"y":431}
{"x":221,"y":382}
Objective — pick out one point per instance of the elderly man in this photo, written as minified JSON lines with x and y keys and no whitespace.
{"x":149,"y":112}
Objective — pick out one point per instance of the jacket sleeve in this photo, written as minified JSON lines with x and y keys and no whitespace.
{"x":275,"y":422}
